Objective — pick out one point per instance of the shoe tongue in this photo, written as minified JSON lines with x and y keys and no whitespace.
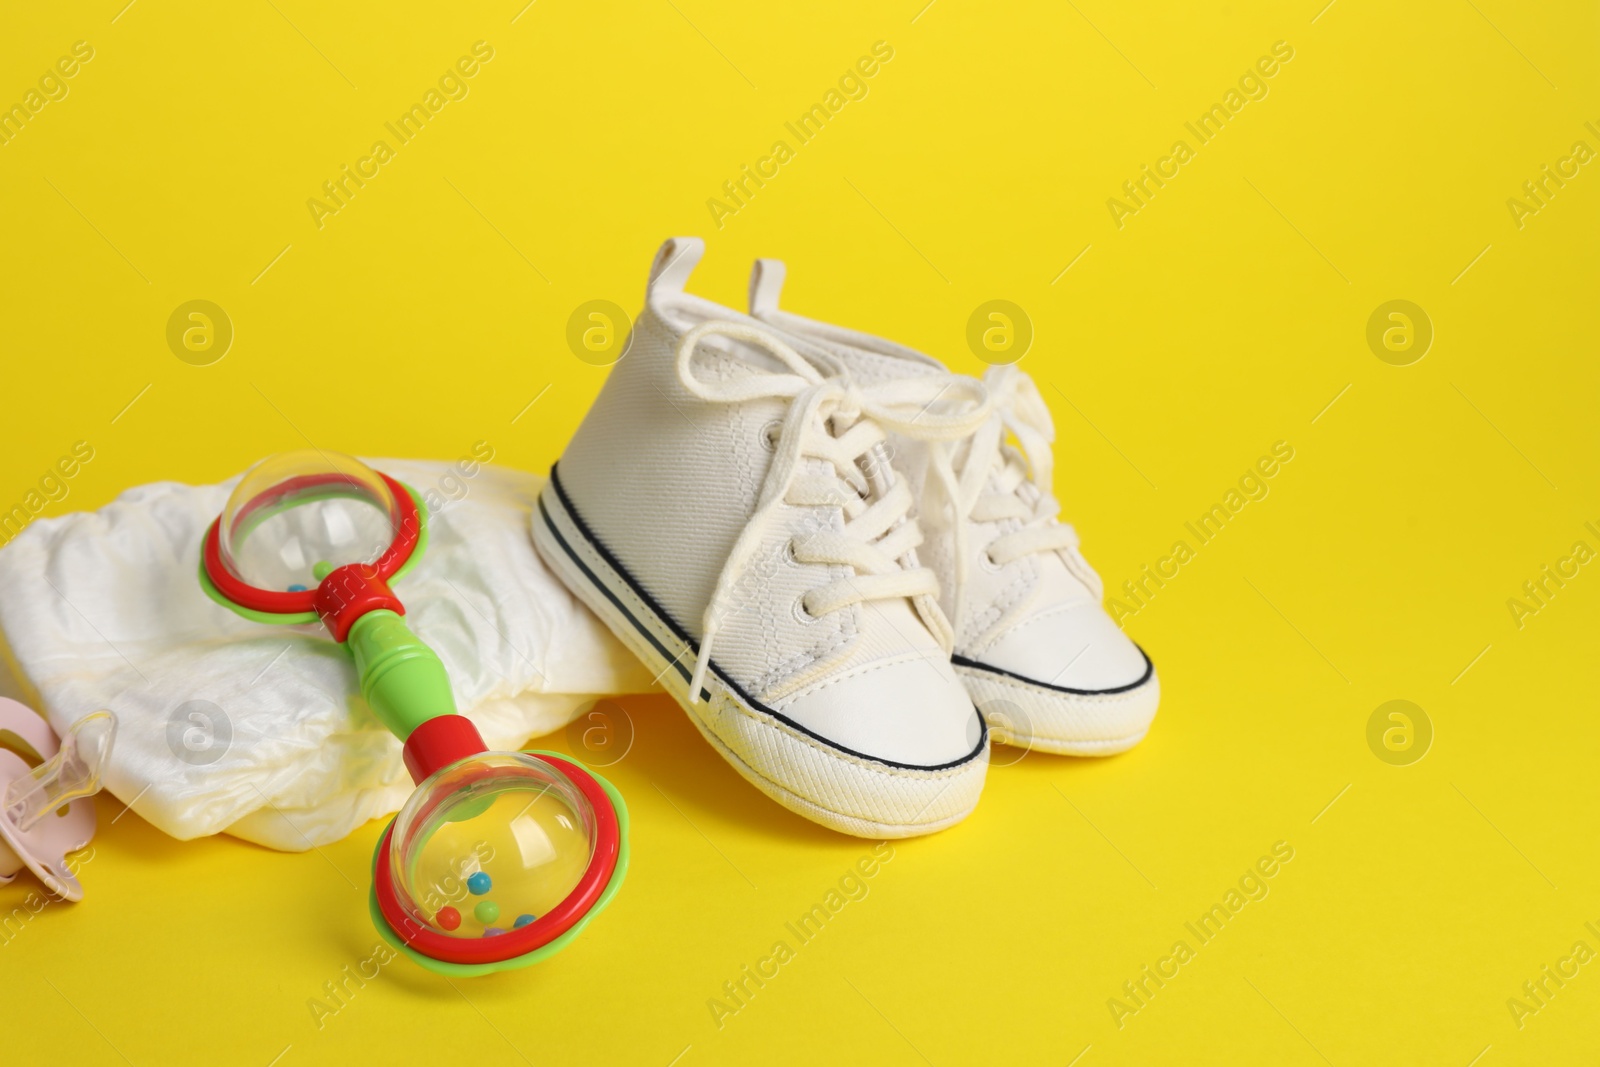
{"x":893,"y":628}
{"x":1057,"y":583}
{"x":681,"y":312}
{"x":852,"y":501}
{"x":871,"y":368}
{"x":743,"y":359}
{"x":829,"y":360}
{"x":961,"y":454}
{"x":866,"y":365}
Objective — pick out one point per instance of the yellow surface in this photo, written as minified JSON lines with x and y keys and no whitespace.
{"x":1228,"y":313}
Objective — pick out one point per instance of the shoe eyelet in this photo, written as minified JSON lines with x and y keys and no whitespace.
{"x":769,"y":435}
{"x":788,"y":554}
{"x":987,"y":562}
{"x":800,"y":612}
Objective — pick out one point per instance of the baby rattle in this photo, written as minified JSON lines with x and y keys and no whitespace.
{"x":498,"y":859}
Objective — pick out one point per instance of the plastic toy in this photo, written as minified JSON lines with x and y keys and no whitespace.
{"x":317,"y":536}
{"x":44,"y":810}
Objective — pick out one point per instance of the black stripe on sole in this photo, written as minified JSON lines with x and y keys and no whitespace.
{"x":972,"y":664}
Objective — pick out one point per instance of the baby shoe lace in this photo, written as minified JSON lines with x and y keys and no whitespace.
{"x":998,"y":481}
{"x":832,"y":419}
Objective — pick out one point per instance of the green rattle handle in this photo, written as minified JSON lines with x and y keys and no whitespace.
{"x":402,"y":679}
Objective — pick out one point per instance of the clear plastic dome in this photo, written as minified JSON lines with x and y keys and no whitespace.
{"x":295,"y":516}
{"x":489,"y":844}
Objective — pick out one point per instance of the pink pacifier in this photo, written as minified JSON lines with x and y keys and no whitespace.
{"x":45,"y":812}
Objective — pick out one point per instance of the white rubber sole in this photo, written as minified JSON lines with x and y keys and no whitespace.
{"x":842,"y":790}
{"x":1046,"y":719}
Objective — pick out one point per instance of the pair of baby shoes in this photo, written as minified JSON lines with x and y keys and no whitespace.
{"x":842,"y":559}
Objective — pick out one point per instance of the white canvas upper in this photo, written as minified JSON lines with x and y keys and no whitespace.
{"x":1032,"y":641}
{"x":728,"y":508}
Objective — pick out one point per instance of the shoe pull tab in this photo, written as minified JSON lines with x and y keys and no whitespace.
{"x":766,"y":283}
{"x":674,"y":262}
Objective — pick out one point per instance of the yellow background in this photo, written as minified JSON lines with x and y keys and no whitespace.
{"x":1224,"y":316}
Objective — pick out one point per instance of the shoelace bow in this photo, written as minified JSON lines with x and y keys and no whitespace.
{"x":877,"y":533}
{"x":986,"y":488}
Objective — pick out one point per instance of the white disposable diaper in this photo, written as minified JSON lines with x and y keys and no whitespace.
{"x":260,"y":730}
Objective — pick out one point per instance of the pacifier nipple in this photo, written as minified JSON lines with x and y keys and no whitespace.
{"x":72,"y":772}
{"x":43,"y":814}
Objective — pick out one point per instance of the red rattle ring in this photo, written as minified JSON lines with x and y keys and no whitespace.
{"x":524,"y":939}
{"x":274,"y":602}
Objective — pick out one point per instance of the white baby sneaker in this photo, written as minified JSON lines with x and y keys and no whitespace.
{"x":728,"y":509}
{"x":1043,"y":661}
